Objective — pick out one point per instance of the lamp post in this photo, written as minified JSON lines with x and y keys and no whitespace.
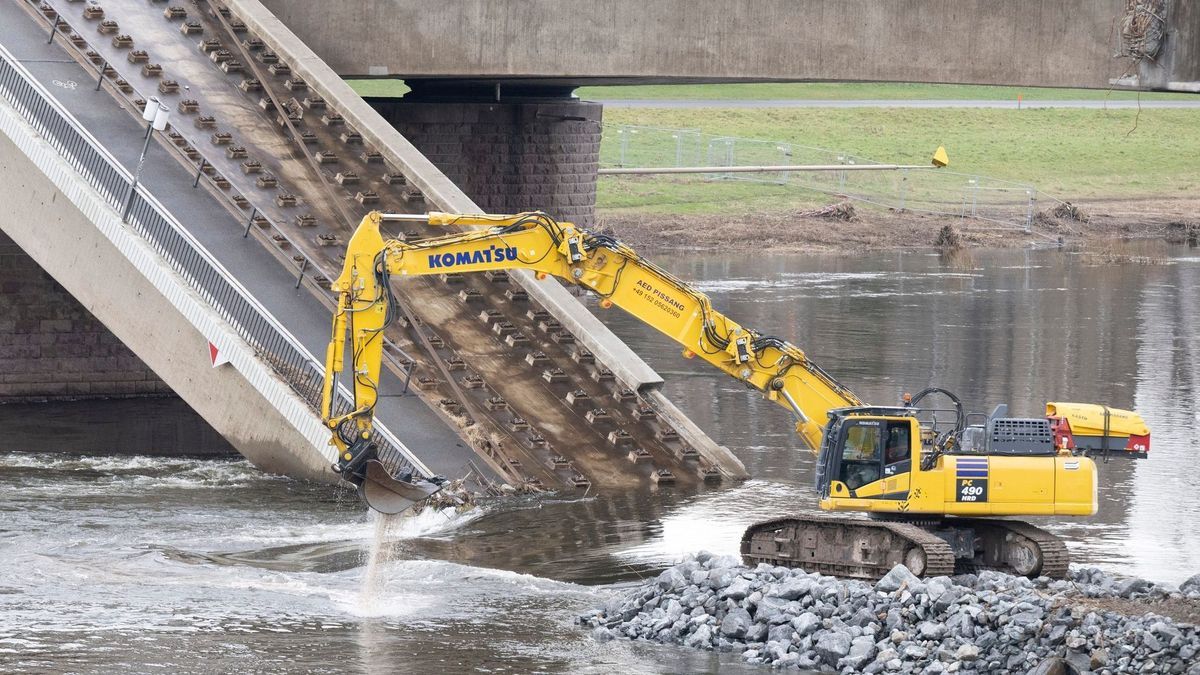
{"x":155,"y":114}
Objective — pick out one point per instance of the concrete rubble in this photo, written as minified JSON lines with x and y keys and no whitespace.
{"x":988,"y":622}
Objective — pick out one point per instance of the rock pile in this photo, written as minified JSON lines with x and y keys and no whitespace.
{"x":982,"y":623}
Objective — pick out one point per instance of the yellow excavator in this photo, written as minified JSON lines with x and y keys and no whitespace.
{"x":933,"y":487}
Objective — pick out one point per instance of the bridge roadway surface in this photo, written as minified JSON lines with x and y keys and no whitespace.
{"x":1006,"y":104}
{"x":273,"y":285}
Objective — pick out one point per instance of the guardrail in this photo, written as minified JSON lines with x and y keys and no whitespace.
{"x":295,"y":365}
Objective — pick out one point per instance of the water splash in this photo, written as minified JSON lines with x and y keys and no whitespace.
{"x":391,"y":528}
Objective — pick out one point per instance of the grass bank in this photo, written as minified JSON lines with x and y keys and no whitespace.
{"x":1074,"y":154}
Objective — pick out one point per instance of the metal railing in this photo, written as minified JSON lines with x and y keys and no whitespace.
{"x":180,"y":251}
{"x":933,"y":191}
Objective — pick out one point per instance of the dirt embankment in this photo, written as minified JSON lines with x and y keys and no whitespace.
{"x":838,"y":229}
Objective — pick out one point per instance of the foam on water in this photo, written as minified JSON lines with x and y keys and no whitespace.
{"x":389,"y":528}
{"x":437,"y":588}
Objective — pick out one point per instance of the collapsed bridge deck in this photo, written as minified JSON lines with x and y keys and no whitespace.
{"x":533,"y":383}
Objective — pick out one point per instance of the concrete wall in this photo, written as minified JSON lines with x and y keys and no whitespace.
{"x":1177,"y":66}
{"x":509,"y":157}
{"x":1020,"y":42}
{"x":49,"y":214}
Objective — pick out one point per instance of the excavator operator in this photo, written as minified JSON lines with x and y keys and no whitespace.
{"x":897,"y":451}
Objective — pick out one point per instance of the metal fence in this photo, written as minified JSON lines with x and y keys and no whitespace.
{"x":934,"y":191}
{"x":270,"y":340}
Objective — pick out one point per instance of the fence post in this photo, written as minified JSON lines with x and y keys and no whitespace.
{"x":1029,"y":211}
{"x":903,"y":187}
{"x":624,"y":145}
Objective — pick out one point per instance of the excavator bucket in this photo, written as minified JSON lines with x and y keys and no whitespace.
{"x":386,"y":494}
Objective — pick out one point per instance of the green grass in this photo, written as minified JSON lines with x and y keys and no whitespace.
{"x":858,"y":91}
{"x":381,"y":88}
{"x":1068,"y":153}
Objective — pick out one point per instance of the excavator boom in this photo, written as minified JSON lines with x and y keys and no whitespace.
{"x":603,"y":265}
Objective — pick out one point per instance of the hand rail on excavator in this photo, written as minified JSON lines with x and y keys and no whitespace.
{"x":597,"y":262}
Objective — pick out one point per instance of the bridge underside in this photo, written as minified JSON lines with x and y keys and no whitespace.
{"x":572,"y":42}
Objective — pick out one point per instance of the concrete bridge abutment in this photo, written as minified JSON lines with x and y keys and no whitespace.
{"x":509,"y":155}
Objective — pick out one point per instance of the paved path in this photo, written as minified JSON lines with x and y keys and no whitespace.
{"x":1122,"y":104}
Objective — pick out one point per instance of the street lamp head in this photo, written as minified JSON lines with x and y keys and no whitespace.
{"x":160,"y":117}
{"x":150,"y":109}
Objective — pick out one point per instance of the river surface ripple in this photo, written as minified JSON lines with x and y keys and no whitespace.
{"x":178,"y":565}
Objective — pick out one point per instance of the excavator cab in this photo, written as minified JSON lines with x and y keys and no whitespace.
{"x":867,"y":452}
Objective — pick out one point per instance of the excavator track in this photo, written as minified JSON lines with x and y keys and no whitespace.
{"x":867,"y":549}
{"x":846,"y":547}
{"x":1014,"y":547}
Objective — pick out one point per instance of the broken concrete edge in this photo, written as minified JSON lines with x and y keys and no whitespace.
{"x":726,"y":462}
{"x":610,"y":350}
{"x":293,"y":446}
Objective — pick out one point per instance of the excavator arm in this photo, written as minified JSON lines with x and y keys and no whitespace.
{"x":364,"y":310}
{"x":599,"y":263}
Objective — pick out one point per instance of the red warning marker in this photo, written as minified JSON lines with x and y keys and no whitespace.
{"x":214,"y":355}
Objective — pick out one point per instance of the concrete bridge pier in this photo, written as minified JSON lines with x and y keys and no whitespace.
{"x":532,"y":148}
{"x":70,"y":385}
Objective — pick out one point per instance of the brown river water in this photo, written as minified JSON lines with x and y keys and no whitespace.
{"x":135,"y":564}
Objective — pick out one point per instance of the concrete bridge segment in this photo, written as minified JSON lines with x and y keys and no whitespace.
{"x":547,"y":46}
{"x":376,"y":134}
{"x":160,"y":319}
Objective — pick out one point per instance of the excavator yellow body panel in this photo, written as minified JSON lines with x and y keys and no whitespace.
{"x":958,"y":485}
